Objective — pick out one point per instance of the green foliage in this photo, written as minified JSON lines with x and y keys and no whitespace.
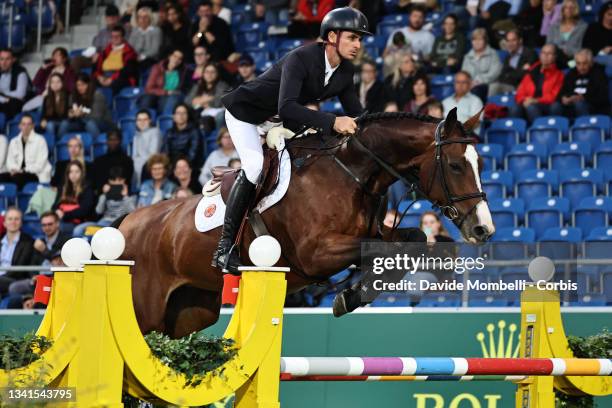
{"x":19,"y":351}
{"x":194,"y":355}
{"x":596,"y":346}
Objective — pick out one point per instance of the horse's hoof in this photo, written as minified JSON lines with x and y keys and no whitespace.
{"x":339,"y":307}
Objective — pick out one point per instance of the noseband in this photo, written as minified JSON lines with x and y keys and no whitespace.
{"x":449,"y":209}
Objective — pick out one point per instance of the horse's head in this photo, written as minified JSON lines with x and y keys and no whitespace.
{"x":449,"y":174}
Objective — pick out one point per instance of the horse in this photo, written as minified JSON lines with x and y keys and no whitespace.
{"x":321,"y":220}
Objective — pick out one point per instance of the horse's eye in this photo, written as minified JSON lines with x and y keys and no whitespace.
{"x":455,"y":167}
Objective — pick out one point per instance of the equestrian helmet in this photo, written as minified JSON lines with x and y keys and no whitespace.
{"x":344,"y":19}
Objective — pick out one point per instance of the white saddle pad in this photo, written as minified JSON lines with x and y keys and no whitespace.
{"x":210,"y":211}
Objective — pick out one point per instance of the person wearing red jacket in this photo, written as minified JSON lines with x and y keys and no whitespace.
{"x":539,"y":87}
{"x":308,"y":17}
{"x":117,"y":67}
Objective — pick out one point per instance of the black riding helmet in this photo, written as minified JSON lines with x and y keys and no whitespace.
{"x":344,"y":19}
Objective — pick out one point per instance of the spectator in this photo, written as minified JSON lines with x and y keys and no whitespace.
{"x":147,"y":141}
{"x":223,"y":13}
{"x":391,"y":107}
{"x":55,"y":105}
{"x":235,"y":164}
{"x":145,"y":38}
{"x":421,"y":41}
{"x":432,"y":226}
{"x":3,"y":153}
{"x":567,"y":34}
{"x":113,"y":203}
{"x":202,"y":58}
{"x":539,"y":87}
{"x":276,"y":13}
{"x":183,"y":138}
{"x":435,"y":110}
{"x":117,"y":65}
{"x":585,"y":89}
{"x":14,"y":82}
{"x":551,"y":14}
{"x":398,"y":85}
{"x":75,"y":201}
{"x":176,"y":34}
{"x":183,"y":177}
{"x":371,"y":90}
{"x":167,"y":84}
{"x":516,"y":64}
{"x":75,"y":152}
{"x":205,"y":97}
{"x":422,"y":96}
{"x":218,"y":157}
{"x":17,"y":249}
{"x":58,"y":64}
{"x":100,"y":41}
{"x":88,"y":112}
{"x":246,"y":70}
{"x":449,"y":48}
{"x":212,"y":32}
{"x":52,"y":242}
{"x":27,"y":159}
{"x":158,"y":187}
{"x":529,"y":22}
{"x":482,"y":63}
{"x":598,"y":37}
{"x":306,"y":21}
{"x":114,"y":157}
{"x":467,"y":103}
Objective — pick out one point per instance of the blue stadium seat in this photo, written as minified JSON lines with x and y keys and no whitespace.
{"x":31,"y":225}
{"x":440,"y":299}
{"x":385,"y":28}
{"x":598,"y":243}
{"x":492,"y":155}
{"x":544,"y":213}
{"x":164,"y":122}
{"x":108,"y":95}
{"x":241,"y":13}
{"x":8,"y":194}
{"x":533,"y":184}
{"x":125,"y":106}
{"x":507,"y":212}
{"x":603,"y":156}
{"x":571,"y":155}
{"x":547,"y":131}
{"x":577,"y":184}
{"x":17,"y":34}
{"x":128,"y":129}
{"x":391,"y":300}
{"x":23,"y":197}
{"x":606,"y":278}
{"x":496,"y":183}
{"x":374,"y":45}
{"x":2,"y":121}
{"x":590,"y":129}
{"x":506,"y":132}
{"x":523,"y":157}
{"x":47,"y":20}
{"x":260,"y":53}
{"x":250,"y":34}
{"x":592,"y":212}
{"x":286,"y":46}
{"x":442,"y":86}
{"x":510,"y":243}
{"x":333,"y":106}
{"x":600,"y":234}
{"x":502,"y":100}
{"x":399,"y":18}
{"x":487,"y":300}
{"x":590,"y":299}
{"x":563,"y":234}
{"x":413,"y":215}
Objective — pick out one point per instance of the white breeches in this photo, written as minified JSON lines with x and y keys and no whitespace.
{"x":248,"y":145}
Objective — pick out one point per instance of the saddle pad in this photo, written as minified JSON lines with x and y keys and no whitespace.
{"x":210,"y":211}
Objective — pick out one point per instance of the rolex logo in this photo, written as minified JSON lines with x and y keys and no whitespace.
{"x":502,"y":347}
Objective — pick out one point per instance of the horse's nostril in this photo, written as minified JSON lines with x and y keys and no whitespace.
{"x":480,"y":231}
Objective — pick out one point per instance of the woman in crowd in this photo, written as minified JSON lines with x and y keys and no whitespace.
{"x":147,"y":141}
{"x":183,"y":138}
{"x":422,"y":96}
{"x":551,"y":14}
{"x":432,"y":226}
{"x":75,"y":201}
{"x":202,"y":58}
{"x":482,"y":63}
{"x":220,"y":156}
{"x":399,"y":84}
{"x":55,"y":105}
{"x":183,"y":177}
{"x":89,"y":111}
{"x":75,"y":152}
{"x":205,"y":97}
{"x":58,"y":64}
{"x":449,"y":48}
{"x":167,"y":84}
{"x":567,"y":34}
{"x":158,"y":187}
{"x":176,"y":34}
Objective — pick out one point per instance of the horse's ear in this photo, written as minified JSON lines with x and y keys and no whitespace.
{"x":450,"y":122}
{"x":473,"y":122}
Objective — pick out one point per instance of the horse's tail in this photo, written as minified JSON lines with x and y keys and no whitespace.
{"x":119,"y":220}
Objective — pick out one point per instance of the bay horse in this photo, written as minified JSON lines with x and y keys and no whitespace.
{"x":320,"y":222}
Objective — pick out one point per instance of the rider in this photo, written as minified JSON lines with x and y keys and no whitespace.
{"x":308,"y":74}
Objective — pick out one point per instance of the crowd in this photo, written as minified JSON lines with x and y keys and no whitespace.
{"x":184,"y":57}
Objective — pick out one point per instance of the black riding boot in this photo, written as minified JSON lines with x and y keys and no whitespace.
{"x":237,"y":204}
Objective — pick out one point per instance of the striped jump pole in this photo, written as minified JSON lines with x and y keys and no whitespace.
{"x":381,"y":378}
{"x":429,"y":366}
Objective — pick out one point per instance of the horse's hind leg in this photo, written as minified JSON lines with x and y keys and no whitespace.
{"x":191,"y":309}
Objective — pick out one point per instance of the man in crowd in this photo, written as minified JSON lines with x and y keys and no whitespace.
{"x":246,"y":69}
{"x":14,"y":83}
{"x":16,"y":249}
{"x":117,"y":67}
{"x":100,"y":41}
{"x":539,"y":87}
{"x":145,"y":38}
{"x":516,"y":64}
{"x":466,"y":102}
{"x":421,"y":41}
{"x":114,"y":157}
{"x":212,"y":32}
{"x":585,"y":89}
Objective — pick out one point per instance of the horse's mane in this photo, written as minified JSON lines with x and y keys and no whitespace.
{"x":372,"y":117}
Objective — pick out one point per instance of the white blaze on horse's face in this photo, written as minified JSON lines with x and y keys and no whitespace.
{"x":482,"y":209}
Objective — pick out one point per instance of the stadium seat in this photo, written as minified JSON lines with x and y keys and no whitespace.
{"x":47,"y":20}
{"x":547,"y":131}
{"x":164,"y":122}
{"x":8,"y":194}
{"x":487,"y":300}
{"x":442,"y":86}
{"x":374,"y":45}
{"x":85,"y":138}
{"x":128,"y":129}
{"x":385,"y":28}
{"x":399,"y":18}
{"x":286,"y":46}
{"x":440,"y":299}
{"x":250,"y":34}
{"x":523,"y":157}
{"x":598,"y":243}
{"x":492,"y":155}
{"x":15,"y":34}
{"x":333,"y":106}
{"x":600,"y":234}
{"x":606,"y":279}
{"x":506,"y":132}
{"x":559,"y":243}
{"x":31,"y":225}
{"x":603,"y":156}
{"x":577,"y":184}
{"x":391,"y":300}
{"x":590,"y":299}
{"x":23,"y":197}
{"x":2,"y":121}
{"x":563,"y":234}
{"x":590,"y":129}
{"x":571,"y":155}
{"x":533,"y":184}
{"x":592,"y":212}
{"x":496,"y":183}
{"x":507,"y":212}
{"x":413,"y":215}
{"x":511,"y":243}
{"x":260,"y":53}
{"x":544,"y":213}
{"x":502,"y":100}
{"x":108,"y":95}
